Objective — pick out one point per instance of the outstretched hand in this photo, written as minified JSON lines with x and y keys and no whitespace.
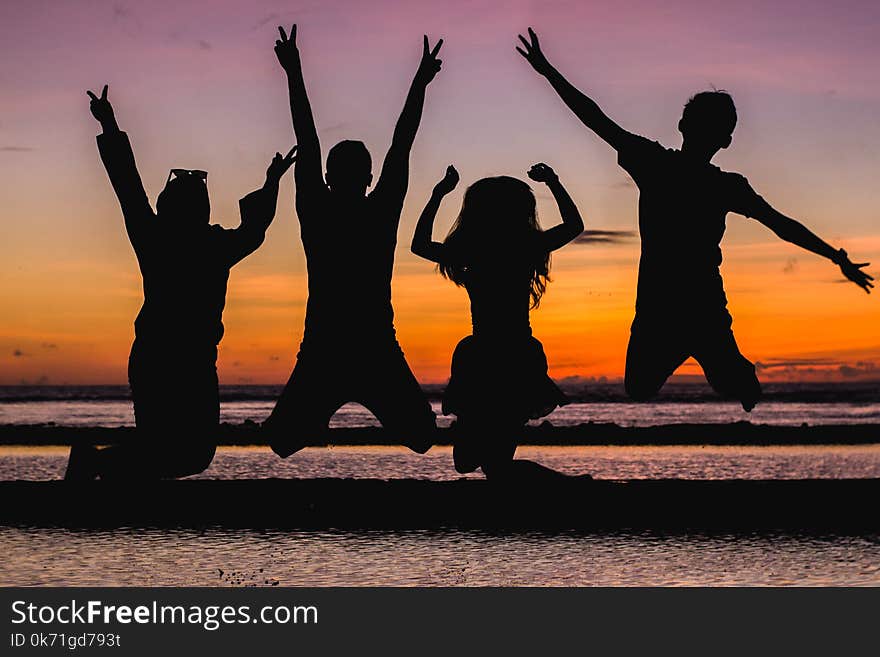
{"x":532,"y":52}
{"x":101,"y":107}
{"x":542,"y":173}
{"x":430,"y":65}
{"x":449,"y":181}
{"x":853,"y":271}
{"x":286,"y":50}
{"x":280,"y":164}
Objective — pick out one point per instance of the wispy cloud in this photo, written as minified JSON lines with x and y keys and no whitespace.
{"x":858,"y":369}
{"x":821,"y":367}
{"x":17,"y":149}
{"x":265,"y":20}
{"x":126,"y":18}
{"x":605,"y":237}
{"x":774,"y":363}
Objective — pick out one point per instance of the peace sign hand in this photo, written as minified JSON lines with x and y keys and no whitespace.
{"x":286,"y":50}
{"x":101,"y":108}
{"x":430,"y":65}
{"x":280,"y":164}
{"x":532,"y":52}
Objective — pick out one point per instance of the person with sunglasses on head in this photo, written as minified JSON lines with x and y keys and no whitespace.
{"x":185,"y":262}
{"x":349,"y":351}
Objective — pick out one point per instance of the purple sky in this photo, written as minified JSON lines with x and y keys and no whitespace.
{"x":196,"y":84}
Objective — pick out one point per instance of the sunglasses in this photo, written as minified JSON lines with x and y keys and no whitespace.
{"x":180,"y":173}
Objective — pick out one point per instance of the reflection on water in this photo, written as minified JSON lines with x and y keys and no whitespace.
{"x":116,"y":413}
{"x":637,"y":462}
{"x":226,"y":557}
{"x":219,"y":557}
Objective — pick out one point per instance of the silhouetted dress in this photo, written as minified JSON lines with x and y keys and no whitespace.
{"x":172,"y":367}
{"x":499,"y":372}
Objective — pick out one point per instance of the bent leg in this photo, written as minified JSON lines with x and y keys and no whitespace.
{"x":652,"y":355}
{"x":177,"y":415}
{"x":729,"y":372}
{"x":304,"y":409}
{"x":485,"y":443}
{"x":398,"y":401}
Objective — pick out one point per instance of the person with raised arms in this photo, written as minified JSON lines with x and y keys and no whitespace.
{"x":498,"y":252}
{"x":185,"y":262}
{"x":681,"y":307}
{"x":349,"y":351}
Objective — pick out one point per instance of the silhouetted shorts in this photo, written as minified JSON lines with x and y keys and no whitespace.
{"x":376,"y":376}
{"x":658,"y":347}
{"x":176,"y":400}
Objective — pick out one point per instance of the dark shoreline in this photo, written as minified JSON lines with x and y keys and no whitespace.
{"x":352,"y":504}
{"x":738,"y":433}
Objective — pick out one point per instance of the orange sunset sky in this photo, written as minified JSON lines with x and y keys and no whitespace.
{"x":197,"y":85}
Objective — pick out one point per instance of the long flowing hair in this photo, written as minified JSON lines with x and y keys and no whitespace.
{"x":498,"y":222}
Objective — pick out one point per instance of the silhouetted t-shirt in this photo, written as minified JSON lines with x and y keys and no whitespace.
{"x":682,"y":209}
{"x":185,"y":269}
{"x":349,"y":246}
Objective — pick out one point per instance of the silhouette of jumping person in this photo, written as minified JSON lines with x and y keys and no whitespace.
{"x":497,"y":251}
{"x":184,"y":261}
{"x":681,"y":307}
{"x":349,"y":351}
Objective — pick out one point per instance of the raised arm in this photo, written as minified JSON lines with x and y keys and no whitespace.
{"x":572,"y":225}
{"x":795,"y":232}
{"x":118,"y":159}
{"x":258,"y":210}
{"x":422,"y":244}
{"x":584,"y":107}
{"x":308,"y":171}
{"x":394,"y":177}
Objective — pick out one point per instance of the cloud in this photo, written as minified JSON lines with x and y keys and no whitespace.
{"x":204,"y":45}
{"x":335,"y":127}
{"x":775,"y":363}
{"x":265,"y":20}
{"x":823,"y":368}
{"x":857,"y":369}
{"x":605,"y":237}
{"x":17,"y":149}
{"x":126,"y":18}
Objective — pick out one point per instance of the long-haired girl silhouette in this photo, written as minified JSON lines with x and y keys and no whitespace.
{"x":497,"y":251}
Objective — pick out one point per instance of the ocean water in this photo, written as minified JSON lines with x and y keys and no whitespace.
{"x":118,"y":413}
{"x":222,"y":557}
{"x":785,"y":404}
{"x":216,"y":556}
{"x":612,"y":462}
